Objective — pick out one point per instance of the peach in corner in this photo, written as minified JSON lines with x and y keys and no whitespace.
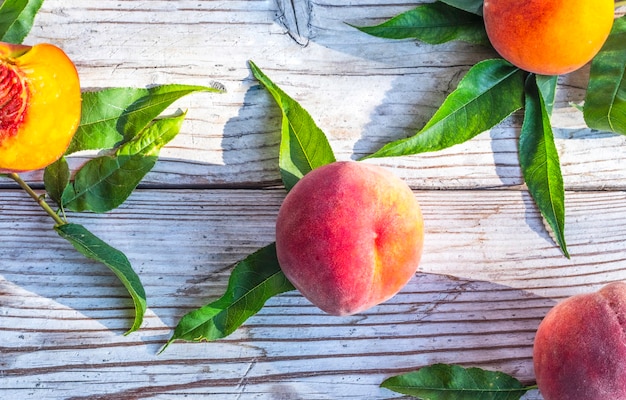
{"x":580,"y":347}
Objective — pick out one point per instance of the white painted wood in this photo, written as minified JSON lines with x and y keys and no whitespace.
{"x":489,"y":272}
{"x":487,"y":277}
{"x":362,"y":91}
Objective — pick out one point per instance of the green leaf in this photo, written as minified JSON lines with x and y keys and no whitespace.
{"x":105,"y":182}
{"x":490,"y":91}
{"x":452,"y":382}
{"x":252,"y":282}
{"x":547,"y":87}
{"x":16,"y":19}
{"x":473,"y":6}
{"x":56,"y":177}
{"x":303,"y":145}
{"x":605,"y":100}
{"x":94,"y":248}
{"x":114,"y":115}
{"x":432,"y":23}
{"x":539,"y":162}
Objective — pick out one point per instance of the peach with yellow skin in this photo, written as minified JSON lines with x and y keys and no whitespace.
{"x":548,"y":37}
{"x":349,"y":236}
{"x":40,"y":105}
{"x":580,"y":347}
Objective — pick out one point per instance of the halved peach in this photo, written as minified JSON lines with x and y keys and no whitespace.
{"x":40,"y":105}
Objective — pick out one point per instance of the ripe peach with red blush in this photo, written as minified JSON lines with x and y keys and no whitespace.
{"x":349,"y":236}
{"x":580,"y":347}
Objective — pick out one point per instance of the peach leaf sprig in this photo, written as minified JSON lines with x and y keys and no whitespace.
{"x":127,"y":126}
{"x":41,"y":127}
{"x":469,"y":109}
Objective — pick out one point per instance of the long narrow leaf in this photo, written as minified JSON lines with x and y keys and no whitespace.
{"x":605,"y":99}
{"x":16,"y":19}
{"x":539,"y":161}
{"x":452,"y":382}
{"x":547,"y":87}
{"x":252,"y":282}
{"x":490,"y":91}
{"x":94,"y":248}
{"x":105,"y":182}
{"x":303,"y":145}
{"x":432,"y":23}
{"x":114,"y":115}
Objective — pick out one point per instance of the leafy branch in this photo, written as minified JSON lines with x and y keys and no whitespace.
{"x":126,"y":123}
{"x":486,"y":95}
{"x":105,"y":182}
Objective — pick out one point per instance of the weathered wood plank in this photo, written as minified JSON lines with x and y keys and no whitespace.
{"x":488,"y":276}
{"x":362,"y":91}
{"x":489,"y":273}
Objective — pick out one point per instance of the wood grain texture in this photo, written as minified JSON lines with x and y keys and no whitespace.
{"x":362,"y":91}
{"x":489,"y":272}
{"x":488,"y":276}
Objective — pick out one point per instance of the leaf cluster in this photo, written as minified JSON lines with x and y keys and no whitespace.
{"x":127,"y":126}
{"x":493,"y":89}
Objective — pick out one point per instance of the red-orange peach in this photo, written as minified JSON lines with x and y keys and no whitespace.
{"x":580,"y":347}
{"x":349,"y":236}
{"x":548,"y":37}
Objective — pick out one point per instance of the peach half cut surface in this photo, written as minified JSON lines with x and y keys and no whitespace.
{"x":40,"y":105}
{"x":349,"y":236}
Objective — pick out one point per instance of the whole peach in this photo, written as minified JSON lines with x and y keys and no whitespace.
{"x":549,"y":37}
{"x":580,"y":347}
{"x":349,"y":236}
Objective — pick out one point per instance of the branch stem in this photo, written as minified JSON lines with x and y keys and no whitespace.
{"x":39,"y":199}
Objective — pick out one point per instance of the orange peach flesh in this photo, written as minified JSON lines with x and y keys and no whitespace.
{"x":40,"y":105}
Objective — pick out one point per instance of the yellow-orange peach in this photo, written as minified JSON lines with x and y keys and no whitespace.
{"x":349,"y":236}
{"x":580,"y":347}
{"x":548,"y":37}
{"x":40,"y":105}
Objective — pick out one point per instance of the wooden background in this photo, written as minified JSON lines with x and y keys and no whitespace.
{"x":489,"y":271}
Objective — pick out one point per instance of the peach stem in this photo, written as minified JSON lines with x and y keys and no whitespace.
{"x":39,"y":199}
